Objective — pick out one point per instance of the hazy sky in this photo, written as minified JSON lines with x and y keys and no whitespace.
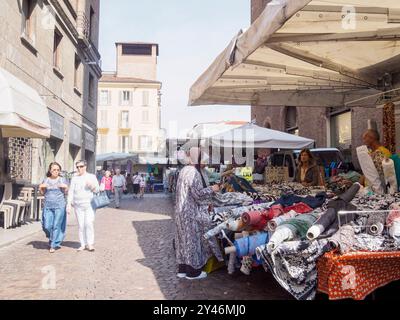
{"x":190,"y":33}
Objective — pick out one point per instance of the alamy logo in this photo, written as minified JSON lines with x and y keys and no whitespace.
{"x":349,"y":281}
{"x":49,"y":280}
{"x":349,"y":21}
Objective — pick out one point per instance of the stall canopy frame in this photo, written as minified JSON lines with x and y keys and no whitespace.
{"x":307,"y":53}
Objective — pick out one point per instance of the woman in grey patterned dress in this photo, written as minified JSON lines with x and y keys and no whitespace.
{"x":193,"y":220}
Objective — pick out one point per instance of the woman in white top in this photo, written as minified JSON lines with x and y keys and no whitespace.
{"x":142,"y":185}
{"x":81,"y":192}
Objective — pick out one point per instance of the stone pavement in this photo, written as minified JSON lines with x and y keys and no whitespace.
{"x":134,"y":259}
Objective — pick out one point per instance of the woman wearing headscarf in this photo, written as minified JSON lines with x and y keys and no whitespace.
{"x":192,"y":220}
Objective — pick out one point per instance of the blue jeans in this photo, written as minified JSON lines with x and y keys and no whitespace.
{"x":54,"y":224}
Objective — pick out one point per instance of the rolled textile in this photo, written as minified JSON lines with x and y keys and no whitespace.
{"x":231,"y":263}
{"x":274,"y":212}
{"x":236,"y":225}
{"x":343,"y":240}
{"x":256,"y":219}
{"x":376,"y":224}
{"x":369,"y":170}
{"x":283,"y":233}
{"x":275,"y":223}
{"x":234,"y":214}
{"x":328,"y":223}
{"x":302,"y":224}
{"x":247,"y":246}
{"x":389,"y":173}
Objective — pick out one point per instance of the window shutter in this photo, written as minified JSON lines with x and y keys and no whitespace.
{"x":131,"y":98}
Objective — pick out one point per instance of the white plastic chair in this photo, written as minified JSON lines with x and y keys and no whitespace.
{"x":21,"y":205}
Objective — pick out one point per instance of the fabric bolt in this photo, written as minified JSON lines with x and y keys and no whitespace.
{"x":283,"y":233}
{"x":294,"y":266}
{"x":376,"y":223}
{"x":356,"y":275}
{"x":231,"y":198}
{"x":389,"y":173}
{"x":389,"y":126}
{"x":369,"y":169}
{"x":314,"y":202}
{"x":300,"y":208}
{"x":343,"y":240}
{"x":256,"y":220}
{"x":275,"y":223}
{"x":277,"y":190}
{"x":301,"y":224}
{"x":247,"y":246}
{"x":232,"y":263}
{"x":192,"y":220}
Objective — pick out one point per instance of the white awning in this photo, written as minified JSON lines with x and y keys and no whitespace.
{"x":22,"y":111}
{"x":308,"y":53}
{"x":251,"y":136}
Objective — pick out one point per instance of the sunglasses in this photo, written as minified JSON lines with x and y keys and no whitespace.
{"x":80,"y":167}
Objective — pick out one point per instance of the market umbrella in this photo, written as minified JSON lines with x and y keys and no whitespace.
{"x":253,"y":136}
{"x":114,"y":156}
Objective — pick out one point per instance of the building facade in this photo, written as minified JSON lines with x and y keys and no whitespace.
{"x":330,"y":127}
{"x":129,"y":114}
{"x":52,"y":46}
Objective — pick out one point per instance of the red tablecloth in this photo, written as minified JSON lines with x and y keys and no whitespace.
{"x":356,"y":275}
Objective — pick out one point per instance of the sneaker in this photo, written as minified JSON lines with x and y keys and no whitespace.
{"x":52,"y":250}
{"x":91,"y":249}
{"x":202,"y":275}
{"x":181,"y":275}
{"x":81,"y":249}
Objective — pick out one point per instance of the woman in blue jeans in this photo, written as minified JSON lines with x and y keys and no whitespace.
{"x":54,"y":221}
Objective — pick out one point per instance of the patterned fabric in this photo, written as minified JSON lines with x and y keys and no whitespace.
{"x":356,"y":275}
{"x":389,"y":127}
{"x":293,"y":264}
{"x":366,"y":242}
{"x":278,"y":190}
{"x":378,"y":157}
{"x":192,"y":221}
{"x":231,"y":198}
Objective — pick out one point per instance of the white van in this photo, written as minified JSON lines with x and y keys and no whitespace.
{"x":289,"y":158}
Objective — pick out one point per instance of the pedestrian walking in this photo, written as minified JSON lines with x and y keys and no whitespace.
{"x":82,"y":189}
{"x":136,"y":184}
{"x":54,"y":221}
{"x":152,"y":181}
{"x":142,"y":185}
{"x":106,"y":184}
{"x":192,"y":220}
{"x":129,"y":184}
{"x":119,"y":186}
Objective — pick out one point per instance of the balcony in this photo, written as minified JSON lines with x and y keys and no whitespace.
{"x":83,"y":25}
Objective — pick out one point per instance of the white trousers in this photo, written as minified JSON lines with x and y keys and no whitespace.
{"x":85,"y":216}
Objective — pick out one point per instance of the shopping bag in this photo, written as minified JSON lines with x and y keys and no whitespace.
{"x":100,"y":200}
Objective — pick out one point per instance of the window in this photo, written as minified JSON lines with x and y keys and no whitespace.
{"x":137,"y":49}
{"x":92,"y":89}
{"x":291,"y":121}
{"x":103,"y":119}
{"x":57,"y":49}
{"x":105,"y":98}
{"x":145,"y":116}
{"x":126,"y":98}
{"x":125,"y":144}
{"x":124,"y":122}
{"x":103,"y":144}
{"x":145,"y":96}
{"x":145,"y":143}
{"x":77,"y":74}
{"x":28,"y":23}
{"x":91,"y":24}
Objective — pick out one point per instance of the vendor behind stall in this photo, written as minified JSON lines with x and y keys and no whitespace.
{"x":308,"y":173}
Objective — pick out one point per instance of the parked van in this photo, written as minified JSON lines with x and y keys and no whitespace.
{"x":289,"y":158}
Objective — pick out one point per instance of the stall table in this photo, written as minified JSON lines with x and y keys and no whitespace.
{"x":358,"y":274}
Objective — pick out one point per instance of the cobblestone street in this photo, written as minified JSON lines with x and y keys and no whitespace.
{"x":134,"y":259}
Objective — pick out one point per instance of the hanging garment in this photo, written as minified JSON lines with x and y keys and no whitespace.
{"x":389,"y":173}
{"x":328,"y":223}
{"x":396,"y":160}
{"x":369,"y":170}
{"x":389,"y":127}
{"x":247,"y":246}
{"x":275,"y":223}
{"x":294,"y":265}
